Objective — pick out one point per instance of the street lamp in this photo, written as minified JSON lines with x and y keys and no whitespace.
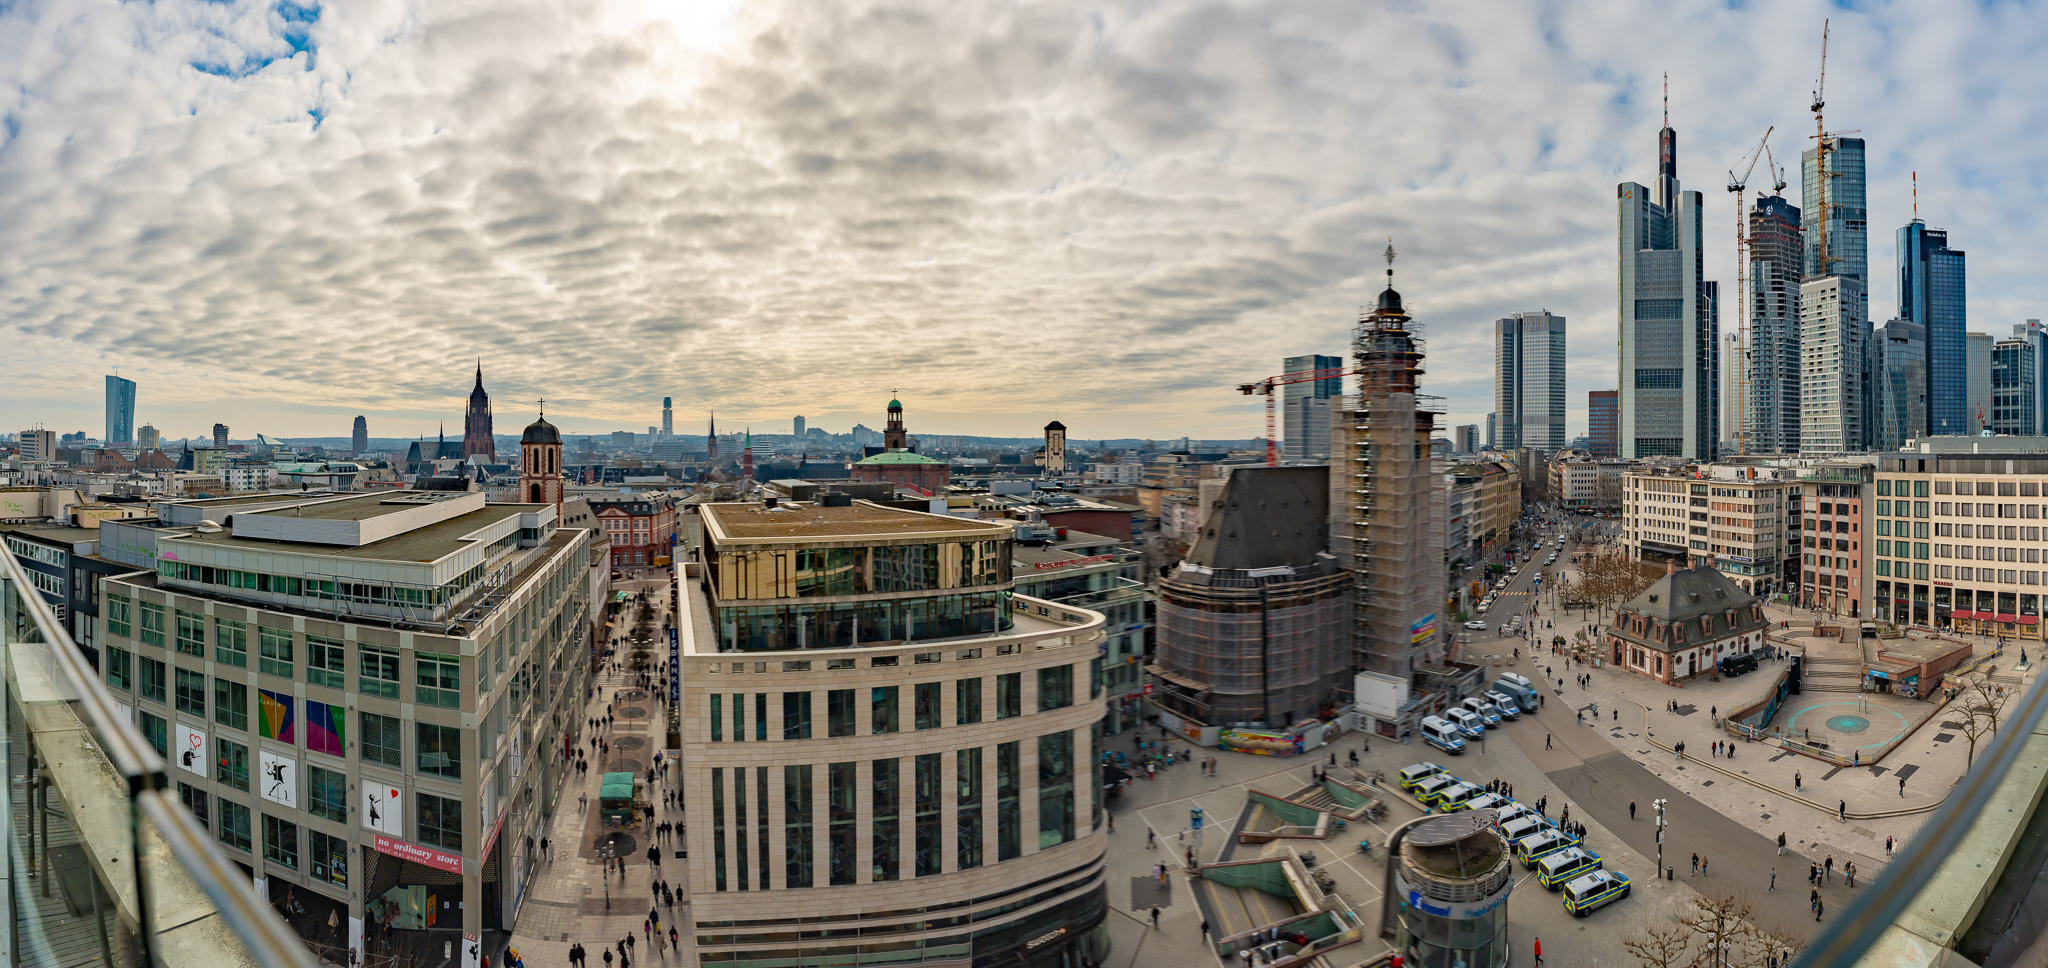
{"x":1659,"y":805}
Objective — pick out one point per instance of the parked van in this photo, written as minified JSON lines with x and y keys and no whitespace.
{"x":1557,"y":869}
{"x":1471,"y":725}
{"x":1589,"y":891}
{"x":1426,"y":790}
{"x":1442,"y":735}
{"x":1504,"y":704}
{"x":1518,"y":685}
{"x":1527,"y":825}
{"x":1543,"y":843}
{"x":1488,"y":715}
{"x":1488,"y":801}
{"x":1457,"y":796}
{"x":1417,"y":772}
{"x":1737,"y":664}
{"x":1512,"y":811}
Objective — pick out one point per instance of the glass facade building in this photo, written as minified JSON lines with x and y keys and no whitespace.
{"x":1670,"y":350}
{"x":120,"y":412}
{"x":1931,"y":280}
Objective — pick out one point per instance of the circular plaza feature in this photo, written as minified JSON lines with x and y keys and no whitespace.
{"x":1847,"y":724}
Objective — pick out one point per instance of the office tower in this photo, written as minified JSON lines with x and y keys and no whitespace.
{"x":1528,"y":380}
{"x":799,"y":424}
{"x":1603,"y":422}
{"x":2015,"y":387}
{"x":1840,"y":224}
{"x":1669,"y":347}
{"x":1776,"y":266}
{"x":668,"y":418}
{"x":1492,"y":431}
{"x":1305,"y":407}
{"x":477,"y":440}
{"x":1465,"y":439}
{"x":220,"y":436}
{"x":120,"y":412}
{"x":1977,"y":364}
{"x":1384,"y":524}
{"x":1898,"y":384}
{"x":38,"y":445}
{"x":361,"y":442}
{"x":148,"y":438}
{"x":2033,"y":332}
{"x":1831,"y":336}
{"x":934,"y":758}
{"x":1055,"y":449}
{"x":1931,"y":293}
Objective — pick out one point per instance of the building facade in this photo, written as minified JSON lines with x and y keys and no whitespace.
{"x":1054,"y":460}
{"x":1832,"y":358}
{"x":1603,"y":422}
{"x":894,"y":755}
{"x":1836,"y":236}
{"x":1897,"y":391}
{"x":1305,"y":407}
{"x":1683,"y":624}
{"x":642,"y":530}
{"x":1735,"y":515}
{"x":1977,"y":350}
{"x":1670,"y":348}
{"x":220,"y":437}
{"x":1931,"y":293}
{"x":1957,"y":535}
{"x":1465,"y":439}
{"x":359,"y":439}
{"x":2015,"y":392}
{"x":1099,"y":573}
{"x":477,"y":437}
{"x":361,"y":694}
{"x":120,"y":412}
{"x":1528,"y":380}
{"x":1834,"y":554}
{"x":1771,"y":411}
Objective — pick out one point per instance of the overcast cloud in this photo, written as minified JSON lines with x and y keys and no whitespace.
{"x":279,"y":215}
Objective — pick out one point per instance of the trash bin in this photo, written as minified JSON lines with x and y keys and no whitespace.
{"x":1667,"y":873}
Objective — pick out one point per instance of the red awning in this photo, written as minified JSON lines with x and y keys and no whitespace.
{"x":1960,"y":614}
{"x":2008,"y":618}
{"x":2030,"y":620}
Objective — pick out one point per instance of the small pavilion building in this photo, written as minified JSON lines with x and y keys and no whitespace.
{"x":1684,"y":623}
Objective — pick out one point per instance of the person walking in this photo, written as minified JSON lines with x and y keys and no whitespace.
{"x":1887,"y":846}
{"x":1774,"y":881}
{"x":1205,"y":929}
{"x":1902,"y":786}
{"x":1546,"y":745}
{"x":1827,"y":869}
{"x":1631,"y":809}
{"x":1798,"y":782}
{"x":1695,"y":865}
{"x":1781,"y":843}
{"x":1849,"y":872}
{"x":1818,"y":907}
{"x":1539,"y":952}
{"x":1155,"y":918}
{"x":1703,"y":867}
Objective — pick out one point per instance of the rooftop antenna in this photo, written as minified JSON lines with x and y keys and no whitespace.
{"x":1916,"y":203}
{"x":1667,"y":99}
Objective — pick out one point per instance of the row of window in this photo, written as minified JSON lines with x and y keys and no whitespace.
{"x":1981,"y":488}
{"x":439,"y":825}
{"x":324,"y":589}
{"x":741,"y":798}
{"x":1055,"y":691}
{"x":437,"y":678}
{"x":379,"y":739}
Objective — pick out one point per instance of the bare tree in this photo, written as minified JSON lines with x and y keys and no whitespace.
{"x":1767,"y":948}
{"x":1655,"y":947}
{"x":1607,"y":580}
{"x":1720,"y":923}
{"x":1982,"y":704}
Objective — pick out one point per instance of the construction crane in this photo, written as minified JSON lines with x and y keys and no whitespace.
{"x":1266,"y":386}
{"x":1820,"y":152}
{"x":1736,"y":187}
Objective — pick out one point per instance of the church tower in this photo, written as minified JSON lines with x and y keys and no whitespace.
{"x":894,"y":437}
{"x":476,"y":422}
{"x":540,"y":464}
{"x":1055,"y":448}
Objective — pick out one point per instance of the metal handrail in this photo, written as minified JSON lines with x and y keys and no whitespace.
{"x":268,"y":940}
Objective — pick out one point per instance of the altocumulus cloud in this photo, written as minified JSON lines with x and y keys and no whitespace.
{"x":286,"y":211}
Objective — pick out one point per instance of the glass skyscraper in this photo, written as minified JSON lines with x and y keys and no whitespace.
{"x":1670,"y":347}
{"x":1834,"y":300}
{"x":120,"y":412}
{"x":1528,"y":380}
{"x":1305,"y":407}
{"x":1931,"y":293}
{"x":1775,"y":270}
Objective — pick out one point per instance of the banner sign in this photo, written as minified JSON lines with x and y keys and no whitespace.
{"x":675,"y":666}
{"x":437,"y":859}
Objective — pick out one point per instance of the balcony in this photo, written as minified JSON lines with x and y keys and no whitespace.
{"x":85,"y":797}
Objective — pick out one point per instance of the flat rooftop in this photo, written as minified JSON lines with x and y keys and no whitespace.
{"x":425,"y":544}
{"x":1917,"y":650}
{"x":741,"y":522}
{"x":361,"y":507}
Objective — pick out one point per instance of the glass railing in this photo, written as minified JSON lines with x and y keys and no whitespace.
{"x":104,"y":866}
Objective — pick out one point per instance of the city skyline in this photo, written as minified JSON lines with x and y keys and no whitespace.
{"x":627,"y":272}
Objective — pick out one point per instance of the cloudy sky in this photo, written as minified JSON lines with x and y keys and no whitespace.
{"x":282,"y":214}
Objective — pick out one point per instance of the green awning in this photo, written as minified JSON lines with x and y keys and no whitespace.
{"x":617,"y":786}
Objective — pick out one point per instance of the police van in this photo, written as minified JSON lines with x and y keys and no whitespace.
{"x":1417,"y":772}
{"x":1539,"y":845}
{"x":1426,"y":789}
{"x":1562,"y":867}
{"x":1589,"y":892}
{"x":1512,"y":811}
{"x":1482,"y":708}
{"x":1456,"y":797}
{"x":1503,"y":704}
{"x":1441,"y":734}
{"x":1526,"y":825}
{"x":1466,"y":722}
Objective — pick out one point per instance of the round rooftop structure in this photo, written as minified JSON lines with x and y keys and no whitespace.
{"x":541,"y":432}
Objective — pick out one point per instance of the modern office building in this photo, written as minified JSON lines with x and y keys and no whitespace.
{"x":362,"y":696}
{"x":1736,"y":515}
{"x":1898,"y":384}
{"x":668,"y":417}
{"x":946,"y":808}
{"x":1836,"y":236}
{"x":1465,"y":439}
{"x":1603,"y":422}
{"x":1100,"y":573}
{"x":120,"y":412}
{"x":1771,"y":408}
{"x":359,"y":442}
{"x":38,"y":445}
{"x":1528,"y":380}
{"x":1977,"y":349}
{"x":1305,"y":407}
{"x":1931,"y":278}
{"x":2015,"y":388}
{"x":1936,"y":563}
{"x":1492,"y":431}
{"x":148,"y":438}
{"x":220,"y":436}
{"x":1832,"y":359}
{"x":799,"y":424}
{"x":1670,"y":367}
{"x":2033,"y":332}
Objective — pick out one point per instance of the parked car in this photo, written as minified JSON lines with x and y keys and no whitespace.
{"x":1737,"y":664}
{"x":1476,"y":625}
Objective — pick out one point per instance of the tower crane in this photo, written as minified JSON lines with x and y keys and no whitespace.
{"x":1736,"y":187}
{"x":1820,"y":153}
{"x":1266,"y":386}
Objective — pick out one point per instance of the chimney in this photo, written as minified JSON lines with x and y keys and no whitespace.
{"x":1671,"y":566}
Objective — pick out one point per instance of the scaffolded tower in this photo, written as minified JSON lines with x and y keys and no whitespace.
{"x":1389,"y":510}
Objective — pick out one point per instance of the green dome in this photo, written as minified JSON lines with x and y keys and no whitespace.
{"x":895,"y":404}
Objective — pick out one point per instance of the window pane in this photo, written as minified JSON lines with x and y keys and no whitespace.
{"x":796,"y":818}
{"x":1055,"y":788}
{"x":192,"y":633}
{"x":440,"y":821}
{"x":119,"y":665}
{"x":153,"y":624}
{"x":381,"y":741}
{"x":327,"y":793}
{"x":1055,"y":687}
{"x":796,"y":715}
{"x":437,"y":680}
{"x":379,"y":671}
{"x":839,"y":712}
{"x":326,"y":664}
{"x":234,"y":825}
{"x":231,"y":765}
{"x":888,"y":828}
{"x":231,"y":704}
{"x":1009,"y":810}
{"x":967,"y":701}
{"x":276,"y":657}
{"x":281,"y":842}
{"x":840,"y":800}
{"x":440,"y":750}
{"x":191,"y":694}
{"x":967,"y":805}
{"x":1009,"y":695}
{"x":231,"y":643}
{"x":882,"y":718}
{"x":927,"y":787}
{"x":926,"y":702}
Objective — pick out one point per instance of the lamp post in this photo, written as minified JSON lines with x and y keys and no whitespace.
{"x":1659,"y":805}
